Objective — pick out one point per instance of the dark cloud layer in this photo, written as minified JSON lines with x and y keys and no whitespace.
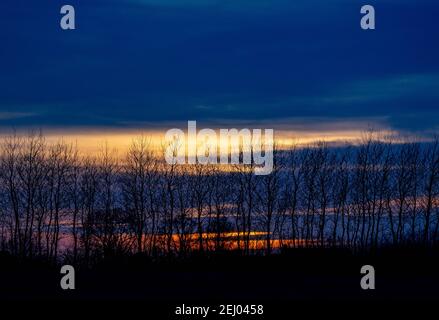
{"x":139,"y":61}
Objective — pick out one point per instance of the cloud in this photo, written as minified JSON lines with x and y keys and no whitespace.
{"x":380,"y":90}
{"x":159,"y":61}
{"x":15,"y":115}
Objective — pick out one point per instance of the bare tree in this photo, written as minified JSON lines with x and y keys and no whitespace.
{"x":138,"y":181}
{"x":431,"y":187}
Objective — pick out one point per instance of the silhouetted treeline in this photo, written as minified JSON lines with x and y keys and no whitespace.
{"x":55,"y":203}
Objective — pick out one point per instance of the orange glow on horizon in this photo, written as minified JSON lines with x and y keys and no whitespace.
{"x":91,"y":141}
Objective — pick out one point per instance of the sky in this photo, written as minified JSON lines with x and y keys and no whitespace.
{"x":303,"y":65}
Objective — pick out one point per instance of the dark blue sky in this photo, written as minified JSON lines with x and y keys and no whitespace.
{"x":131,"y":62}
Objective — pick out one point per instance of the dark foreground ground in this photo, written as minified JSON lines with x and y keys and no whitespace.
{"x":300,"y":276}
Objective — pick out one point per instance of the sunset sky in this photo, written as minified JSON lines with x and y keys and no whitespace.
{"x":304,"y":67}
